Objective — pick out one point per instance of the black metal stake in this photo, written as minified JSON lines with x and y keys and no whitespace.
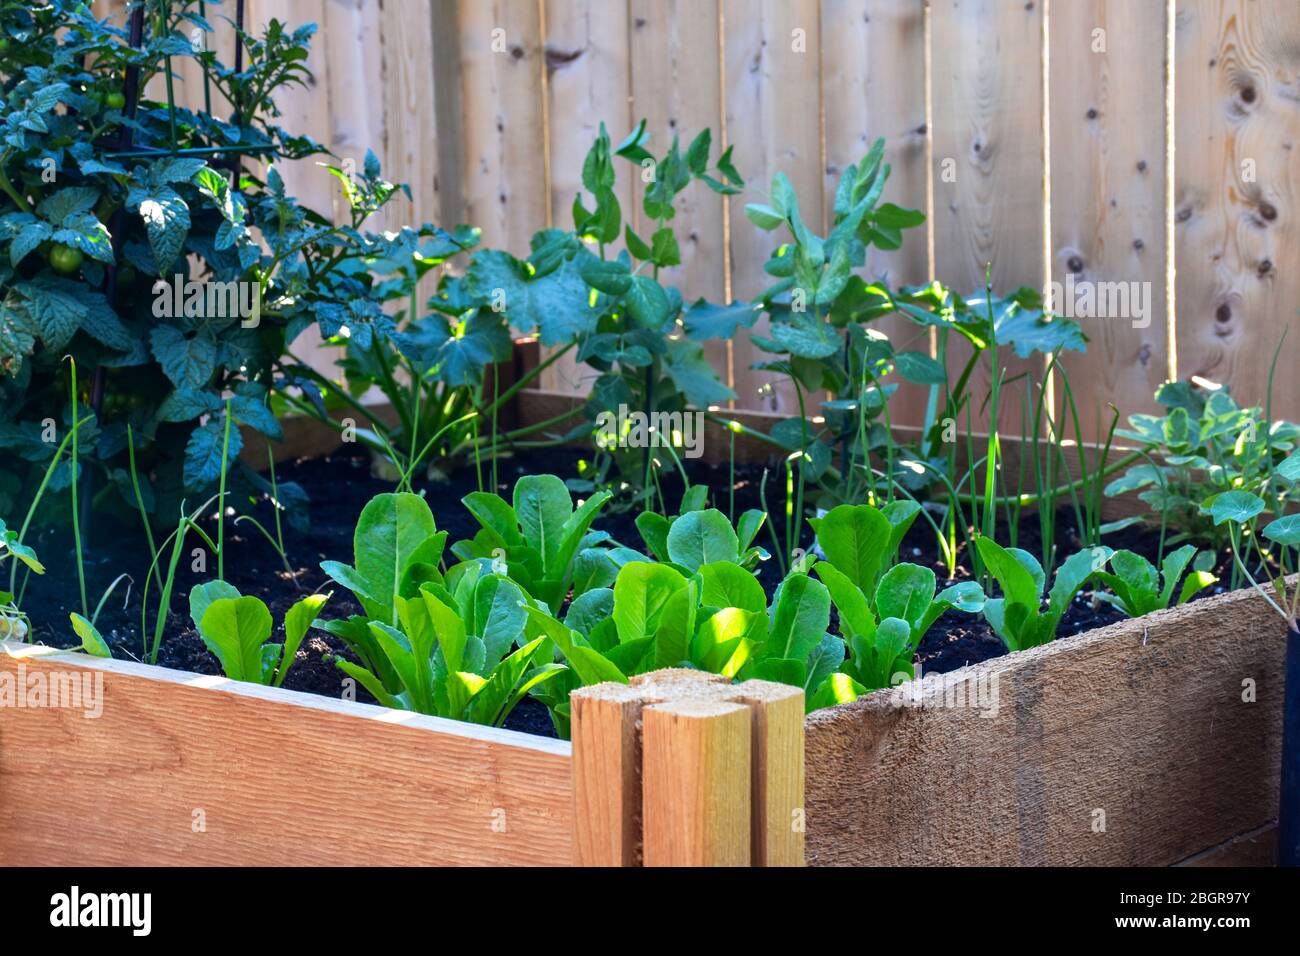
{"x":1288,"y":816}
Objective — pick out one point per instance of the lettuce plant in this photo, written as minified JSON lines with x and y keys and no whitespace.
{"x":716,"y":619}
{"x":396,"y":547}
{"x":535,"y":539}
{"x":450,"y":654}
{"x":862,"y":542}
{"x":236,"y":629}
{"x":698,"y":535}
{"x":1139,"y":590}
{"x":1018,"y":617}
{"x":13,"y":622}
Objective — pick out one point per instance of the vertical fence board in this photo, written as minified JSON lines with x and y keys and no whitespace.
{"x":873,"y":85}
{"x":1108,"y":208}
{"x":506,"y":193}
{"x":772,"y":116}
{"x":406,"y":88}
{"x":988,"y":140}
{"x":676,"y":88}
{"x":586,"y":66}
{"x":1238,"y":194}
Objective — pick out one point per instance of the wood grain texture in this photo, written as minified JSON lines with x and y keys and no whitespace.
{"x":1143,"y":720}
{"x":777,"y":831}
{"x":280,"y":777}
{"x":873,"y":85}
{"x":586,"y":60}
{"x":667,"y":774}
{"x":1108,"y":205}
{"x":677,"y":89}
{"x":772,"y":117}
{"x":506,"y":192}
{"x":1237,"y":213}
{"x":697,"y":802}
{"x":607,"y":775}
{"x":988,"y":168}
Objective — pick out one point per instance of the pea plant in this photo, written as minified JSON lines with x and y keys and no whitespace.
{"x":1205,"y":444}
{"x":577,"y":292}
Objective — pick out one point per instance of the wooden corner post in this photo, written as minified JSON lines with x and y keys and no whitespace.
{"x":684,"y":768}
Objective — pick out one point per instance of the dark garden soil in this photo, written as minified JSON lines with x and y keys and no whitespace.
{"x":340,"y":485}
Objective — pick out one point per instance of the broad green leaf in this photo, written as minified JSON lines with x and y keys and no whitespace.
{"x":641,"y":592}
{"x":800,"y":616}
{"x":702,"y":537}
{"x":297,"y":621}
{"x":235,"y":629}
{"x":590,"y":665}
{"x":390,"y":529}
{"x":905,"y":591}
{"x":1019,"y":583}
{"x":1238,"y":507}
{"x":856,"y":616}
{"x":726,"y":584}
{"x":542,"y":505}
{"x":854,"y":538}
{"x":836,"y":689}
{"x":1284,"y":530}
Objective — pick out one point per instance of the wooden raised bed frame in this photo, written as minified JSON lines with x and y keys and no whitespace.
{"x":1145,"y":721}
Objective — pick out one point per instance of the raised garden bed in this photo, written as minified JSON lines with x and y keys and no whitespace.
{"x":1143,"y":720}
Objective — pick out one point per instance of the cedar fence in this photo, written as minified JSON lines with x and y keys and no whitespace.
{"x":1139,"y":142}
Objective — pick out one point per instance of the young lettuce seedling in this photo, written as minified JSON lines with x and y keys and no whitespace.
{"x":700,"y":535}
{"x":13,"y":622}
{"x":1138,"y":589}
{"x":537,"y":539}
{"x":884,"y":628}
{"x":236,"y":630}
{"x":1018,"y":616}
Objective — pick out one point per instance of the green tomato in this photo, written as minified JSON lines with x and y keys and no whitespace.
{"x":114,"y":101}
{"x":65,"y":260}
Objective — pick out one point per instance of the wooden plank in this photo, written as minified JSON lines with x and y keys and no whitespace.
{"x":505,"y":186}
{"x":988,"y":166}
{"x":873,"y":84}
{"x":697,"y":799}
{"x":677,"y":89}
{"x":1237,"y":212}
{"x":586,"y":60}
{"x":204,"y":771}
{"x":1108,"y":200}
{"x":607,"y":775}
{"x":1257,"y":848}
{"x":777,"y":831}
{"x":1140,"y":743}
{"x":773,"y":120}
